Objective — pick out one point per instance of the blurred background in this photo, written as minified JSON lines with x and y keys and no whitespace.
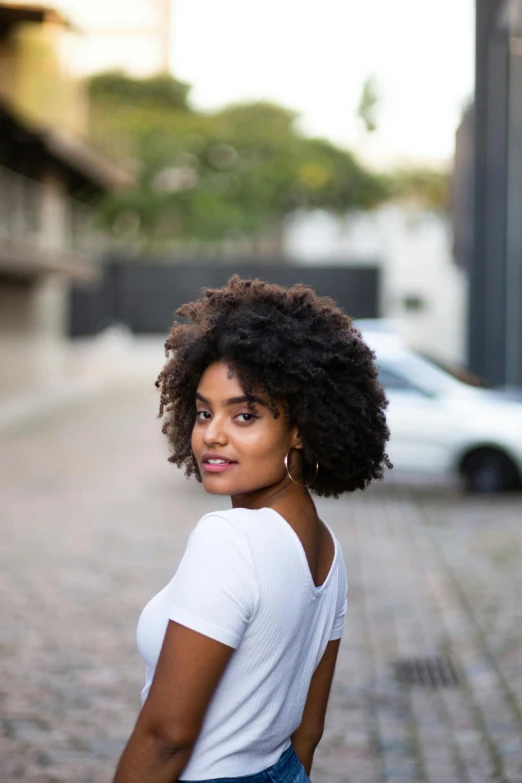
{"x":149,"y":148}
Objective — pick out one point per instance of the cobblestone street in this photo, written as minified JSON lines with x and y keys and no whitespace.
{"x":94,"y":521}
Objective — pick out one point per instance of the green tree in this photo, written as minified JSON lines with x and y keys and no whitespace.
{"x":158,"y":92}
{"x":369,"y":105}
{"x":425,"y":187}
{"x":232,"y":173}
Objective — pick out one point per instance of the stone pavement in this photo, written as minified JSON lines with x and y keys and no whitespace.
{"x":94,"y":521}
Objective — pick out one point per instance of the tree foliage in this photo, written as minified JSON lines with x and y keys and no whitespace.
{"x":425,"y":187}
{"x":161,"y":91}
{"x":228,"y":174}
{"x":368,"y":105}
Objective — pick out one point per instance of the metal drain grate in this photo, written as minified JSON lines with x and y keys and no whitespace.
{"x":436,"y":672}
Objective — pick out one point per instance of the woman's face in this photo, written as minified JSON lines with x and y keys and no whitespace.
{"x":239,"y":448}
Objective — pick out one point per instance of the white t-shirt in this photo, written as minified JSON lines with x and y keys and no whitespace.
{"x":244,"y":580}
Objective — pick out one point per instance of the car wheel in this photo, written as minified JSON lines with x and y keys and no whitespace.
{"x":489,"y":470}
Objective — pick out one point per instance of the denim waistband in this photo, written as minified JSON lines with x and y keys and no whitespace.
{"x":283,"y":771}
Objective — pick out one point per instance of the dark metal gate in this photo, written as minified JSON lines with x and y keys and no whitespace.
{"x":145,"y":295}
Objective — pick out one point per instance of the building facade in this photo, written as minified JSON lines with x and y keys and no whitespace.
{"x":49,"y":178}
{"x":495,"y":266}
{"x":421,"y":288}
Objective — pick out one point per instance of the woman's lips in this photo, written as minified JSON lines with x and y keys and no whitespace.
{"x":217,"y":464}
{"x":218,"y":468}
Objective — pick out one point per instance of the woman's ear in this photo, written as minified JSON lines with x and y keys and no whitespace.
{"x":296,"y":440}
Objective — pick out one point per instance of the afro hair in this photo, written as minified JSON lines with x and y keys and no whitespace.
{"x":305,"y":354}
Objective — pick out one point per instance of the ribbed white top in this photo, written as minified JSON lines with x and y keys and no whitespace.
{"x":244,"y":580}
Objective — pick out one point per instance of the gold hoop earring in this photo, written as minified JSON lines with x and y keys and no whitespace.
{"x":293,"y":479}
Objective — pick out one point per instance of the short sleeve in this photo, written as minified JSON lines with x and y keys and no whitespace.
{"x":214,"y":590}
{"x":338,"y":626}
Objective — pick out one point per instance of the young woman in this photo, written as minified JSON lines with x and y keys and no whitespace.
{"x":269,"y":394}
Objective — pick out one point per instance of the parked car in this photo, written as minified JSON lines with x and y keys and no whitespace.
{"x":442,"y":426}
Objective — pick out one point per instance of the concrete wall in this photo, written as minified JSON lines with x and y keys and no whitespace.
{"x":32,"y":333}
{"x":421,"y":286}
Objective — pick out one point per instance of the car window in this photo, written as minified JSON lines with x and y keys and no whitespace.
{"x":461,"y":374}
{"x":391,"y":380}
{"x":423,"y":374}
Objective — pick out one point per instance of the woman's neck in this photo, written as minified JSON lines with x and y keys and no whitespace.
{"x":282,"y":497}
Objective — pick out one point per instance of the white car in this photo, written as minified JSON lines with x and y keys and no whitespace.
{"x":441,"y":426}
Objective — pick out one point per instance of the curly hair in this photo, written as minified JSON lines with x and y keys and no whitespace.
{"x":305,"y":354}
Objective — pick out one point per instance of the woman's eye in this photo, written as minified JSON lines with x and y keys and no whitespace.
{"x":203,"y":415}
{"x":247,"y":417}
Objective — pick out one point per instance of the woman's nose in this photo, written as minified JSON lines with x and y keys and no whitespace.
{"x":215,"y":432}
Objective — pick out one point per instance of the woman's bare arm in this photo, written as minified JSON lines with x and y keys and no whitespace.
{"x":189,"y":669}
{"x":307,"y":736}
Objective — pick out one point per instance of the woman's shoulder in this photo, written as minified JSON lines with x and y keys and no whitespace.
{"x":236,"y":525}
{"x":235,"y":517}
{"x":226,"y":524}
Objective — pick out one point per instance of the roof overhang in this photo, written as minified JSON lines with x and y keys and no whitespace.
{"x":69,"y":152}
{"x":12,"y":14}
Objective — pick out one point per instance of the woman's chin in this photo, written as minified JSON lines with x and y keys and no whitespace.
{"x":214,"y":485}
{"x":218,"y":485}
{"x":217,"y":490}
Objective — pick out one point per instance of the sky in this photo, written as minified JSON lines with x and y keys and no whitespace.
{"x":314,"y":56}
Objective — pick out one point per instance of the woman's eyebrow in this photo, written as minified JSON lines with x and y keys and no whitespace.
{"x":233,"y":400}
{"x":243,"y":398}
